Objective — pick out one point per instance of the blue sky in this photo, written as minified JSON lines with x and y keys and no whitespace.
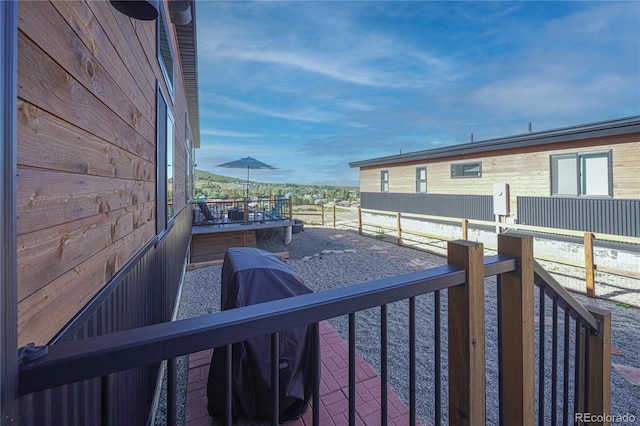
{"x":309,"y":86}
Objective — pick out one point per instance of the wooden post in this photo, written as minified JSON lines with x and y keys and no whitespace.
{"x":246,"y":211}
{"x":334,"y":215}
{"x":518,"y":331}
{"x":465,"y":229}
{"x":322,"y":214}
{"x":466,"y":336}
{"x":399,"y":227}
{"x":290,"y":207}
{"x":600,"y":365}
{"x":359,"y":221}
{"x":589,"y":267}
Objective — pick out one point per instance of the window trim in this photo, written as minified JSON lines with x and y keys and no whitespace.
{"x":479,"y":163}
{"x":384,"y":180}
{"x":420,"y":180}
{"x":164,"y":222}
{"x":163,"y":27}
{"x":580,"y":178}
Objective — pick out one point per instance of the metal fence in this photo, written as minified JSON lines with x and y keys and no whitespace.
{"x":607,"y":216}
{"x":478,"y":207}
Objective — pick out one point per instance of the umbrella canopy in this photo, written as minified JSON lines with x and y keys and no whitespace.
{"x":248,"y":163}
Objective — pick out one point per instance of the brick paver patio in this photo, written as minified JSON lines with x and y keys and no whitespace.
{"x":334,"y":389}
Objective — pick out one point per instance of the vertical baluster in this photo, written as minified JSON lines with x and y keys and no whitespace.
{"x":317,"y":373}
{"x":172,"y":391}
{"x":227,"y":387}
{"x":500,"y":350}
{"x":579,"y":367}
{"x":106,"y":399}
{"x":275,"y":378}
{"x":412,"y":361}
{"x":352,"y":369}
{"x":437,"y":357}
{"x":587,"y":368}
{"x":554,"y":363}
{"x":542,"y":352}
{"x":565,"y":374}
{"x":383,"y":365}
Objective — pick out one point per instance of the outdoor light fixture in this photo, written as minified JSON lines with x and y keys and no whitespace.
{"x":180,"y":12}
{"x":146,"y":10}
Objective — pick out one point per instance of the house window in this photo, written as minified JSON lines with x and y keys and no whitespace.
{"x":466,"y":170}
{"x":421,"y":179}
{"x":582,"y":174}
{"x":187,"y":162}
{"x":165,"y":51}
{"x":384,"y":181}
{"x":170,"y":164}
{"x":164,"y":163}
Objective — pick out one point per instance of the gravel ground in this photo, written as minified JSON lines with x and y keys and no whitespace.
{"x":329,"y":258}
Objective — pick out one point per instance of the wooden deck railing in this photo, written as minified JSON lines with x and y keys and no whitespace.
{"x":461,"y":283}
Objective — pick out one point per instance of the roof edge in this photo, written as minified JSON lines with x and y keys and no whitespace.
{"x":585,"y":131}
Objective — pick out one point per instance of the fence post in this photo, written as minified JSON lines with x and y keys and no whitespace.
{"x":290,"y":207}
{"x":322,"y":214}
{"x":589,"y":267}
{"x":599,"y":369}
{"x":466,"y":336}
{"x":465,"y":229}
{"x":517,"y":345}
{"x":399,"y":227}
{"x":334,"y":215}
{"x":359,"y":220}
{"x":245,"y":207}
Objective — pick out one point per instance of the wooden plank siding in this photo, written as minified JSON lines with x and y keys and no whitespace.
{"x":86,"y":197}
{"x":526,"y":170}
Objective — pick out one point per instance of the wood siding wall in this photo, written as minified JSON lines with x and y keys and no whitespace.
{"x":526,"y":170}
{"x":86,"y":154}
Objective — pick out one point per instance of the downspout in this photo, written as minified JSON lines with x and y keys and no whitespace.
{"x":8,"y":239}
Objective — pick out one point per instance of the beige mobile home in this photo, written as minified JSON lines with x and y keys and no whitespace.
{"x":592,"y":171}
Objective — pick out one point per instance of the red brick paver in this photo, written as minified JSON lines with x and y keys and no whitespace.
{"x":334,"y":389}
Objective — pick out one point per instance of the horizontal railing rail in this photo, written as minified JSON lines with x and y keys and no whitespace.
{"x":554,"y":289}
{"x":69,"y":362}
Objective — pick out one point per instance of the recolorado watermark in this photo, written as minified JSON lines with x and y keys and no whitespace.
{"x":585,"y":418}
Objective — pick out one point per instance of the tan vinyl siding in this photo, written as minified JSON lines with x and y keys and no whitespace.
{"x":527,"y":171}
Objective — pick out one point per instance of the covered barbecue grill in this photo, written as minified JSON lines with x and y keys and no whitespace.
{"x":251,"y":276}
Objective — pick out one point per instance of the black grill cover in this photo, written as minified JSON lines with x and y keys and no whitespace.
{"x":251,"y":276}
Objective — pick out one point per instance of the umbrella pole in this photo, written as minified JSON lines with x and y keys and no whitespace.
{"x":247,"y":184}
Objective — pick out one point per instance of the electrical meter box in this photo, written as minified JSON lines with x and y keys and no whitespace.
{"x":501,"y":199}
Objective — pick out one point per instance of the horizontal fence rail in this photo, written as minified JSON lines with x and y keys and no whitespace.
{"x":461,"y":284}
{"x":589,"y":239}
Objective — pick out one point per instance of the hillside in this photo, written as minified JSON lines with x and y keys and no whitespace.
{"x":211,"y":185}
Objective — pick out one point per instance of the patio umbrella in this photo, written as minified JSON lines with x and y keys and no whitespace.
{"x":248,"y":163}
